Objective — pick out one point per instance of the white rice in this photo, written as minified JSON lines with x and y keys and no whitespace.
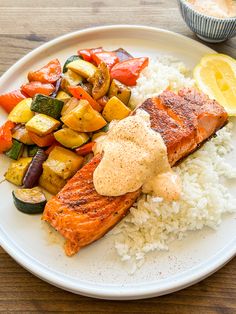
{"x":153,"y":223}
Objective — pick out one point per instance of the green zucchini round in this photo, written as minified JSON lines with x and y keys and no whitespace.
{"x":69,"y":60}
{"x":29,"y":201}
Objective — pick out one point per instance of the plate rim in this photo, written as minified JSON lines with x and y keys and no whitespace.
{"x":147,"y":290}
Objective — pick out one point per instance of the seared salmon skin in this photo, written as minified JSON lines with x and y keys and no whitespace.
{"x":82,"y":215}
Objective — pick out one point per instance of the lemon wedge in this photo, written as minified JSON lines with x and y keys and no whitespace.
{"x":215,"y":76}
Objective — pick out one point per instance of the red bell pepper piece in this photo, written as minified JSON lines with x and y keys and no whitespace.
{"x":9,"y":100}
{"x":42,"y":141}
{"x":6,"y":136}
{"x":86,"y":54}
{"x":109,"y":57}
{"x":127,"y":72}
{"x":85,"y":149}
{"x":50,"y":73}
{"x":34,"y":87}
{"x":79,"y":93}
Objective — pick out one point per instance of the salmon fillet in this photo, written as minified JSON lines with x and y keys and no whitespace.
{"x":185,"y":120}
{"x":82,"y":216}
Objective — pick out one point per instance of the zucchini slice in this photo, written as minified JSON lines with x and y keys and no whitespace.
{"x":41,"y":124}
{"x":70,"y":138}
{"x":69,"y":60}
{"x":22,"y":112}
{"x":63,"y":96}
{"x":115,"y":109}
{"x":32,"y":150}
{"x":83,"y":68}
{"x":29,"y":201}
{"x":16,"y":172}
{"x":83,"y":118}
{"x":120,"y":90}
{"x":16,"y":151}
{"x":70,"y":78}
{"x":105,"y":128}
{"x":47,"y":105}
{"x":101,"y":81}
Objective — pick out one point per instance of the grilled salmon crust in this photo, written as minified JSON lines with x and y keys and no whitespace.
{"x":82,"y":216}
{"x":185,"y":120}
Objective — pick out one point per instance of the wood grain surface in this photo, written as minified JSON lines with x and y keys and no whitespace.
{"x":26,"y":24}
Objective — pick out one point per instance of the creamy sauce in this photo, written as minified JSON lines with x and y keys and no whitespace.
{"x":216,"y":8}
{"x":135,"y":156}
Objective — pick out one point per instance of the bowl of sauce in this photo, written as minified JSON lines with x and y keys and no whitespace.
{"x":212,"y":20}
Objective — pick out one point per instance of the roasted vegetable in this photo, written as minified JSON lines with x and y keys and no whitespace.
{"x":16,"y":151}
{"x":16,"y":171}
{"x":63,"y":162}
{"x":119,"y":90}
{"x":127,"y":72}
{"x":69,"y":60}
{"x":80,"y":93}
{"x":70,"y":138}
{"x":97,"y":135}
{"x":42,"y":141}
{"x":100,"y":81}
{"x":32,"y":150}
{"x":105,"y":128}
{"x":63,"y":96}
{"x":22,"y":135}
{"x":86,"y":54}
{"x":57,"y":88}
{"x":47,"y":105}
{"x":70,"y":78}
{"x":84,"y":118}
{"x":9,"y":100}
{"x":88,"y":87}
{"x":33,"y":88}
{"x":6,"y":136}
{"x":108,"y":57}
{"x":29,"y":201}
{"x":70,"y":105}
{"x":50,"y":148}
{"x":85,"y":149}
{"x":42,"y":124}
{"x":50,"y":181}
{"x":102,"y":101}
{"x":115,"y":110}
{"x":122,"y":54}
{"x":35,"y":169}
{"x":83,"y":68}
{"x":50,"y":73}
{"x":21,"y":113}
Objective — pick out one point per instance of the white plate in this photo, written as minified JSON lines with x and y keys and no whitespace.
{"x":96,"y":271}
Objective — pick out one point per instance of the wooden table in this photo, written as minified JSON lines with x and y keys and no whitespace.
{"x":26,"y":24}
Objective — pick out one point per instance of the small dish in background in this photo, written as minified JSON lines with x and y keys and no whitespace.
{"x":208,"y":28}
